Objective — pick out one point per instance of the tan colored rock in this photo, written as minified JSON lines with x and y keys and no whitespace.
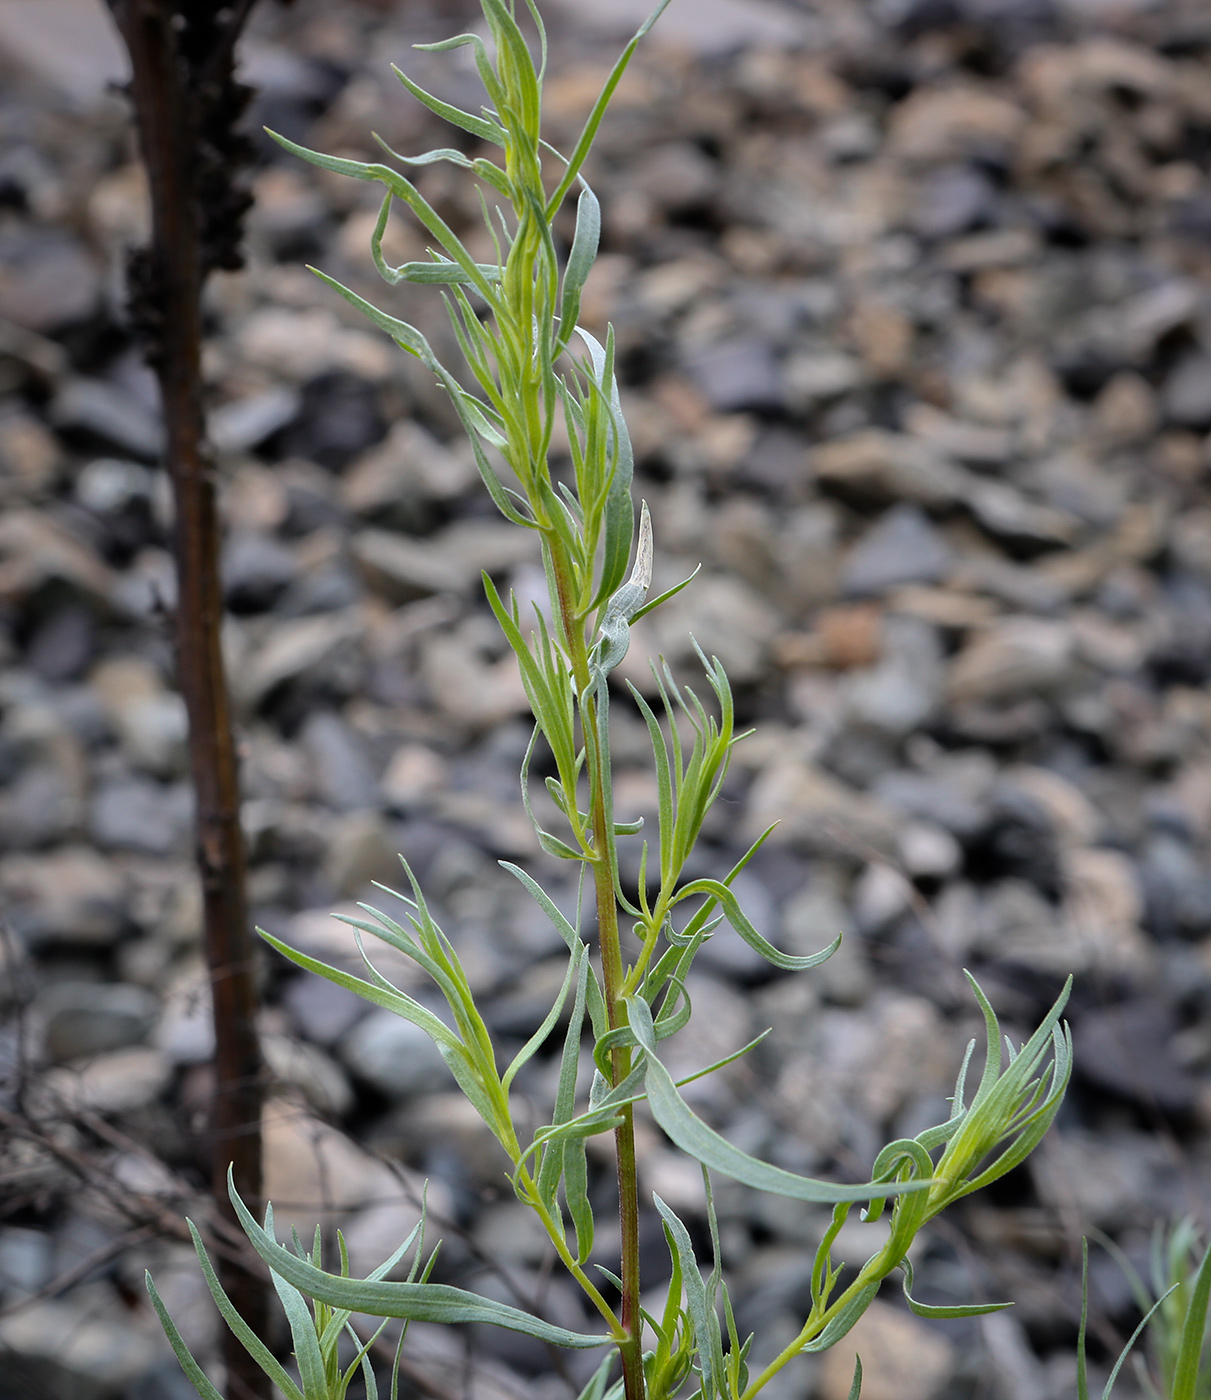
{"x":954,"y":123}
{"x":116,"y":1082}
{"x":1018,"y":657}
{"x":314,"y":1174}
{"x":1103,"y":905}
{"x":1126,"y":410}
{"x":903,"y":1358}
{"x":34,"y":550}
{"x":817,"y":811}
{"x":1074,"y":818}
{"x":878,"y":466}
{"x":29,"y":456}
{"x":76,"y":895}
{"x":360,"y":851}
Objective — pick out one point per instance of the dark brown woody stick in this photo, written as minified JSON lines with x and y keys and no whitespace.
{"x":185,"y":102}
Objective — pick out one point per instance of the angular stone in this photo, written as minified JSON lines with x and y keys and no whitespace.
{"x":1017,"y":657}
{"x":714,"y":27}
{"x":36,"y":551}
{"x":341,"y":771}
{"x":295,"y":1064}
{"x":88,"y":1018}
{"x":108,"y":411}
{"x":955,"y":123}
{"x":314,"y":1174}
{"x":86,"y":1346}
{"x":409,"y":464}
{"x":139,"y":814}
{"x":738,"y":374}
{"x":246,"y":423}
{"x":69,"y":896}
{"x":873,"y":467}
{"x":71,"y":45}
{"x":394,"y":1056}
{"x":361,"y":852}
{"x":119,"y":1081}
{"x":1186,"y":396}
{"x":905,"y":687}
{"x":817,"y":811}
{"x":902,"y":547}
{"x":48,"y":280}
{"x":304,"y":646}
{"x":1009,"y":516}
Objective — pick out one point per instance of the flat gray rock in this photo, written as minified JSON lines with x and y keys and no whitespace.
{"x":902,"y":547}
{"x":706,"y":26}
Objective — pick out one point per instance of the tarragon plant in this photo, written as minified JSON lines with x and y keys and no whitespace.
{"x":533,"y":367}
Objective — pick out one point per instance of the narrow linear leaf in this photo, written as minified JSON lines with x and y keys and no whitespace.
{"x":722,"y":895}
{"x":486,"y":130}
{"x":302,"y":1333}
{"x":584,"y":144}
{"x":248,"y":1339}
{"x":705,"y":1145}
{"x":419,"y":1302}
{"x":580,"y":261}
{"x":396,"y":1001}
{"x":197,"y":1377}
{"x":1194,"y":1328}
{"x":957,"y":1310}
{"x":705,"y":1320}
{"x":357,"y":169}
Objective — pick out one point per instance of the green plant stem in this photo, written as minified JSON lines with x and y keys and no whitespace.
{"x":871,"y":1272}
{"x":530,"y":1194}
{"x":631,"y":1348}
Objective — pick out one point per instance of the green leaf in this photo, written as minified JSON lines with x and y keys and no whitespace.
{"x":419,"y":1302}
{"x":668,"y":593}
{"x":443,"y":273}
{"x":705,"y":1320}
{"x":312,"y":1371}
{"x":538,"y":1039}
{"x":585,"y":143}
{"x":394,"y":1000}
{"x":248,"y":1339}
{"x":619,"y":509}
{"x":595,"y":1389}
{"x":722,"y":895}
{"x":482,"y":127}
{"x":356,"y":169}
{"x":197,"y":1377}
{"x":565,"y":1094}
{"x":576,"y":1193}
{"x":958,"y":1310}
{"x":580,"y":261}
{"x":855,"y":1386}
{"x":705,"y":1145}
{"x":1194,"y":1331}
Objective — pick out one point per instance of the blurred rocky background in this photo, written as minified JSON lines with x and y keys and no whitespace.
{"x":913,"y":309}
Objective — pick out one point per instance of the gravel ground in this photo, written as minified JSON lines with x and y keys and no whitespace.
{"x":913,"y":304}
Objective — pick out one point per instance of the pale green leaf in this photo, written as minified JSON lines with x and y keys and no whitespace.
{"x":707,"y":1337}
{"x":248,"y":1339}
{"x":705,"y":1145}
{"x":419,"y":1302}
{"x":197,"y":1377}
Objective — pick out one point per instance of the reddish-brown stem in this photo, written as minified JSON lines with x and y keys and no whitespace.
{"x":630,"y":1350}
{"x":168,"y":121}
